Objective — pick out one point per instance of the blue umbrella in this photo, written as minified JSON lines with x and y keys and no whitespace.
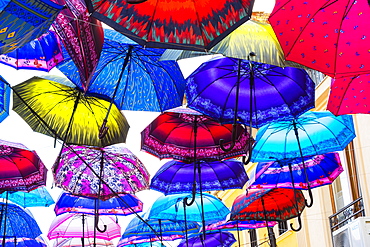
{"x":123,"y":205}
{"x":39,"y":197}
{"x":312,"y":133}
{"x":4,"y":98}
{"x":221,"y":238}
{"x":24,"y":242}
{"x":132,"y":76}
{"x":146,"y":244}
{"x":178,"y":177}
{"x":139,"y":231}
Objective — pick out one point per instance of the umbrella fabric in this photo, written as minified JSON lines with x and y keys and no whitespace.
{"x":64,"y":112}
{"x":166,"y":230}
{"x":70,"y":225}
{"x":24,"y":242}
{"x":271,"y":205}
{"x":215,"y":86}
{"x":132,"y":76}
{"x":164,"y":24}
{"x":222,"y":238}
{"x":17,"y":222}
{"x":328,"y":36}
{"x":321,"y":170}
{"x":76,"y":242}
{"x":318,"y":133}
{"x":20,"y":168}
{"x":22,"y":21}
{"x":238,"y":225}
{"x":177,"y":177}
{"x":78,"y":169}
{"x":251,"y":36}
{"x":349,"y":95}
{"x":146,"y":244}
{"x":4,"y":98}
{"x":171,"y":207}
{"x":39,"y":197}
{"x":43,"y":53}
{"x":124,"y":205}
{"x":171,"y":135}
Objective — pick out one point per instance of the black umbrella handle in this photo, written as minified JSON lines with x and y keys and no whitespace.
{"x":299,"y":224}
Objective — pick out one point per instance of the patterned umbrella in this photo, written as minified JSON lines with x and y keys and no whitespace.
{"x":87,"y":242}
{"x":270,"y":205}
{"x":39,"y":197}
{"x":4,"y":98}
{"x":43,"y":53}
{"x":22,"y":21}
{"x":328,"y":36}
{"x":146,"y":244}
{"x":99,"y":172}
{"x":123,"y":205}
{"x":238,"y":225}
{"x":222,"y":238}
{"x":166,"y":24}
{"x":178,"y":177}
{"x":71,"y":225}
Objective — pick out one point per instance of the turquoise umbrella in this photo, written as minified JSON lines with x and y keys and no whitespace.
{"x":39,"y":197}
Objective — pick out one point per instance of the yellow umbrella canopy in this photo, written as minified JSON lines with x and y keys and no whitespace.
{"x":63,"y":112}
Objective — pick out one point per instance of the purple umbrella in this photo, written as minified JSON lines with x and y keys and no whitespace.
{"x":178,"y":177}
{"x":222,"y":238}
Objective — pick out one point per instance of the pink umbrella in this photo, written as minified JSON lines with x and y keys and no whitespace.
{"x":77,"y":242}
{"x":70,"y":225}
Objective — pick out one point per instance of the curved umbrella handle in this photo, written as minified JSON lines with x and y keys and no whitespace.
{"x":97,"y":226}
{"x":299,"y":224}
{"x":103,"y":129}
{"x":233,"y":138}
{"x":191,"y":202}
{"x":311,"y":198}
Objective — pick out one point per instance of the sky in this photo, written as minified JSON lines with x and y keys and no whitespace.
{"x":14,"y":129}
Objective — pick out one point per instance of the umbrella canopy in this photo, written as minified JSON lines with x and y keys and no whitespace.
{"x":185,"y":134}
{"x":239,"y":225}
{"x":164,"y":24}
{"x":39,"y":197}
{"x":317,"y":133}
{"x":171,"y":207}
{"x":146,"y":244}
{"x":321,"y":170}
{"x":349,"y":95}
{"x":251,"y":36}
{"x":24,"y":242}
{"x":43,"y":53}
{"x":123,"y":205}
{"x":22,"y":21}
{"x":77,"y":242}
{"x":132,"y":76}
{"x":16,"y":222}
{"x":178,"y":177}
{"x":71,"y":225}
{"x":222,"y":238}
{"x":328,"y":36}
{"x":80,"y":170}
{"x":20,"y":168}
{"x":4,"y":98}
{"x":225,"y":88}
{"x":60,"y":111}
{"x":165,"y":230}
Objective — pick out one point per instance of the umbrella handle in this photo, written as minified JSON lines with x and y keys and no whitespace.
{"x":103,"y":129}
{"x":311,"y":198}
{"x":233,"y":138}
{"x":191,"y":202}
{"x":299,"y":224}
{"x":97,"y":226}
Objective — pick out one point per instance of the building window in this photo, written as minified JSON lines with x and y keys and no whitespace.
{"x":253,"y":237}
{"x":283,"y":227}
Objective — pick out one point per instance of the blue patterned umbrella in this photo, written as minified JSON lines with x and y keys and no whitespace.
{"x":178,"y":177}
{"x":4,"y":98}
{"x":147,"y":244}
{"x":39,"y":197}
{"x":132,"y":76}
{"x":222,"y":238}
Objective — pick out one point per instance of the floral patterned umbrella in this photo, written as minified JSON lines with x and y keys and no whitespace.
{"x":221,"y":238}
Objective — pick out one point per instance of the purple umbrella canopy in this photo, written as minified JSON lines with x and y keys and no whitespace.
{"x":79,"y":168}
{"x":239,"y":225}
{"x":224,"y":88}
{"x":178,"y":177}
{"x":222,"y":238}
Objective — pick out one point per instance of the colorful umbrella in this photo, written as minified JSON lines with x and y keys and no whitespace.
{"x":238,"y":225}
{"x":320,"y":169}
{"x":349,"y":95}
{"x":123,"y":205}
{"x":138,"y":231}
{"x":77,"y":242}
{"x":270,"y":205}
{"x":20,"y":168}
{"x":185,"y":134}
{"x":4,"y":98}
{"x":146,"y":244}
{"x":164,"y":24}
{"x":132,"y":76}
{"x":328,"y":36}
{"x":251,"y":36}
{"x":24,"y":242}
{"x":39,"y":197}
{"x":63,"y":112}
{"x":22,"y":21}
{"x":229,"y":88}
{"x":99,"y":172}
{"x":71,"y":225}
{"x":178,"y":177}
{"x":222,"y":238}
{"x":43,"y":53}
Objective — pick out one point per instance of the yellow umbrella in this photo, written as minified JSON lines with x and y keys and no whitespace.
{"x":63,"y":112}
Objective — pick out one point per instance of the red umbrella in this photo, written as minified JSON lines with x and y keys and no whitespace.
{"x":329,"y":36}
{"x":350,"y":95}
